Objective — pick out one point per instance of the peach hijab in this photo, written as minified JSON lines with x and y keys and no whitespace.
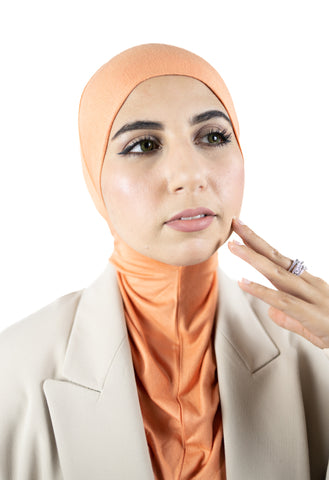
{"x":169,"y":310}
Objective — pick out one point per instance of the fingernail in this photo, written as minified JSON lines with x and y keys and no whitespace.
{"x":245,"y":280}
{"x":240,"y":221}
{"x":236,"y":242}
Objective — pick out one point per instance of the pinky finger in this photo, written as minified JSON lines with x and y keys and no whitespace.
{"x":293,"y":325}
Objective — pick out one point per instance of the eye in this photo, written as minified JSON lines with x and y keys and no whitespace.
{"x":144,"y":145}
{"x":216,"y":137}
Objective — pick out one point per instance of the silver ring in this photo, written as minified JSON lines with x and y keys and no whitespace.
{"x":297,"y":267}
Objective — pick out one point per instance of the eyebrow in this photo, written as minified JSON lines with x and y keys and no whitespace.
{"x":144,"y":124}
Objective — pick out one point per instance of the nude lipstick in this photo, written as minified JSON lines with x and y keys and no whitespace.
{"x":192,"y":220}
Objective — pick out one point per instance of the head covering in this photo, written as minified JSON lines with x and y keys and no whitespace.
{"x":109,"y":87}
{"x":170,"y":311}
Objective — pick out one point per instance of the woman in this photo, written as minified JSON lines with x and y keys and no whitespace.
{"x":164,"y":367}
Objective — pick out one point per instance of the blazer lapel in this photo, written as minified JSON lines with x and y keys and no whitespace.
{"x":95,"y":410}
{"x":263,"y":422}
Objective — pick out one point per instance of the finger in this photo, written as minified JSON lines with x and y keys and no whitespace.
{"x":278,"y":276}
{"x":260,"y":246}
{"x":289,"y":323}
{"x":307,"y":314}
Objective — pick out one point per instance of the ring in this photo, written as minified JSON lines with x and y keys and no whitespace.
{"x":297,"y":267}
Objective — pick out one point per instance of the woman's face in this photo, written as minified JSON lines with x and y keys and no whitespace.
{"x":183,"y":164}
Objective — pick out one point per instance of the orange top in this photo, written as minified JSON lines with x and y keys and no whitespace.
{"x":170,"y":313}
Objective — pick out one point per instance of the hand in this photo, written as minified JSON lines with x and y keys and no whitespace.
{"x":300,"y":303}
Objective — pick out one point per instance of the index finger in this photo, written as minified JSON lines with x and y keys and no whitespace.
{"x":260,"y":246}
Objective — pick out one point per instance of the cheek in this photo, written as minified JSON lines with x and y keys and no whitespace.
{"x":122,"y":189}
{"x":121,"y":193}
{"x":236,"y":179}
{"x":126,"y":195}
{"x":230,"y":185}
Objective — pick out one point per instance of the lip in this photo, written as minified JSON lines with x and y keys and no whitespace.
{"x":192,"y":212}
{"x":192,"y":225}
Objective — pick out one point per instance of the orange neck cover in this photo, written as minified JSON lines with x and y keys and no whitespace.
{"x":170,"y":313}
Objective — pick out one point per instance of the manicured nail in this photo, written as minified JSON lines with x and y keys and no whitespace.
{"x":240,"y":221}
{"x":245,"y":281}
{"x":236,"y":242}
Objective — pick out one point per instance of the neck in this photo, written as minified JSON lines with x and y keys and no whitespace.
{"x":169,"y":292}
{"x":132,"y":263}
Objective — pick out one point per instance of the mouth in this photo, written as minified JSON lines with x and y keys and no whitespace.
{"x":192,"y":219}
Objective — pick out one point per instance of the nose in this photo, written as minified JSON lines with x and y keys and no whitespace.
{"x":185,"y":170}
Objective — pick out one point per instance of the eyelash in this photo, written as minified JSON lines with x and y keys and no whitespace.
{"x":224,"y":135}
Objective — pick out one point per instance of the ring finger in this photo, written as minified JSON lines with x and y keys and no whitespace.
{"x":278,"y":276}
{"x":260,"y":246}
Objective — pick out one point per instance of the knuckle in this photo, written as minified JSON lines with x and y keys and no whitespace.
{"x":276,"y":255}
{"x":284,"y":301}
{"x":279,"y":272}
{"x":252,"y":235}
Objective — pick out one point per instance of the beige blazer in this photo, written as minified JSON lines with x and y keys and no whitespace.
{"x":69,"y":406}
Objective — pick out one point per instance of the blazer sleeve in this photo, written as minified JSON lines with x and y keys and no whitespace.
{"x":31,"y":351}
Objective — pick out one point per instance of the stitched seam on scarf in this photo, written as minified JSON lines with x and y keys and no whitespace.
{"x":180,"y":347}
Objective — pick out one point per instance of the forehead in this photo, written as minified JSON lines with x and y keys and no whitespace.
{"x":167,"y":94}
{"x":166,"y":83}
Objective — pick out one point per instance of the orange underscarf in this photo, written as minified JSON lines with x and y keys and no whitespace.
{"x":170,"y":315}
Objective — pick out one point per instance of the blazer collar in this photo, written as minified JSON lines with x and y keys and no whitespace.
{"x":95,"y":411}
{"x":258,"y":413}
{"x":99,"y":328}
{"x":239,"y":325}
{"x":94,"y":408}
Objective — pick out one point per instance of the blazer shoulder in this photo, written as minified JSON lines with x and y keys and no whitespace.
{"x":39,"y":340}
{"x":286,"y":341}
{"x":32,"y":350}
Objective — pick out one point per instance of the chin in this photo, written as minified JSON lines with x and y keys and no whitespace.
{"x":191,"y":255}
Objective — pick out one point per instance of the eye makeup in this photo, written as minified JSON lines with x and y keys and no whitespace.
{"x":220,"y":138}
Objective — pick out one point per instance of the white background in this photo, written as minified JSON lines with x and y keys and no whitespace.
{"x":272,"y":55}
